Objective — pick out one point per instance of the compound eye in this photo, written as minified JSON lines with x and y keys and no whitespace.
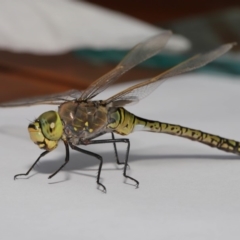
{"x":51,"y":125}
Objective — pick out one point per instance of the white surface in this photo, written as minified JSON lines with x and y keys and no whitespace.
{"x":187,"y":190}
{"x":55,"y":26}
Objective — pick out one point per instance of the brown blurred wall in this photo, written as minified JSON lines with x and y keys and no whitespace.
{"x":26,"y":75}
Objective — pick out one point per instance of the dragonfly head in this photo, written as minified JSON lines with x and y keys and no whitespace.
{"x":46,"y":130}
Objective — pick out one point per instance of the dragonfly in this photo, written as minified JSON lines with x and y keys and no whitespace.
{"x":80,"y":119}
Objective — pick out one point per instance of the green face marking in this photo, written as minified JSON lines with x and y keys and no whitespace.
{"x":47,"y":130}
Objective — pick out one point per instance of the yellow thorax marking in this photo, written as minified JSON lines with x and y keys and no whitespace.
{"x":86,"y":128}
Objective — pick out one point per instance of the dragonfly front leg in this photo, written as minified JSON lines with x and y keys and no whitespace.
{"x":94,"y":155}
{"x":25,"y":174}
{"x":126,"y":140}
{"x":66,"y":160}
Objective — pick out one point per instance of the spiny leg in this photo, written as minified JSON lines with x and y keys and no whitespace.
{"x":126,"y":140}
{"x":25,"y":174}
{"x":66,"y":160}
{"x":94,"y":155}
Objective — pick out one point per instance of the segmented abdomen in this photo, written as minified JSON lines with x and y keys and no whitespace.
{"x":195,"y":135}
{"x":125,"y":123}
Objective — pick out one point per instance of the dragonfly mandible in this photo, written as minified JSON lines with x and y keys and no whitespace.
{"x":79,"y":119}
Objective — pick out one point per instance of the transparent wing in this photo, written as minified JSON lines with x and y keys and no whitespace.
{"x":141,"y":90}
{"x":138,"y":54}
{"x":53,"y":99}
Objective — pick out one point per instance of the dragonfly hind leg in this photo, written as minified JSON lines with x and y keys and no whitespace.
{"x":126,"y":164}
{"x":114,"y":141}
{"x":116,"y":152}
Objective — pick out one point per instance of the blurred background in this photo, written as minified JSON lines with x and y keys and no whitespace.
{"x":50,"y":46}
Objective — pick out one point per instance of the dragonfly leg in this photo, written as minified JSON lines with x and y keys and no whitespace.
{"x":115,"y":151}
{"x":126,"y":140}
{"x":66,"y":160}
{"x":126,"y":164}
{"x":94,"y":155}
{"x":25,"y":174}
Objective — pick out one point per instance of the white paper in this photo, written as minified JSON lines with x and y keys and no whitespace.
{"x":187,"y":190}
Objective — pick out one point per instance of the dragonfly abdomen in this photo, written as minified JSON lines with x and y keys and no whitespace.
{"x":211,"y":140}
{"x":126,"y":122}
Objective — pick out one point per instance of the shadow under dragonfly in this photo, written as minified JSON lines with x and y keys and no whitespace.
{"x":85,"y":163}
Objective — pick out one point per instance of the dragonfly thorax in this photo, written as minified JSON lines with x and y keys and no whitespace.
{"x":46,"y":130}
{"x":83,"y":120}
